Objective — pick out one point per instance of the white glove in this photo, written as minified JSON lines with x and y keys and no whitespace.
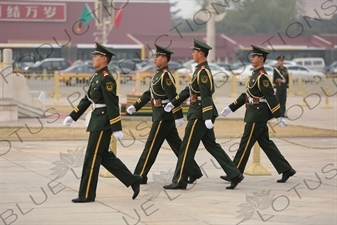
{"x":209,"y":124}
{"x":225,"y":111}
{"x":67,"y":121}
{"x":179,"y":122}
{"x":274,"y":90}
{"x":281,"y":122}
{"x":169,"y":107}
{"x":118,"y":134}
{"x":131,"y":109}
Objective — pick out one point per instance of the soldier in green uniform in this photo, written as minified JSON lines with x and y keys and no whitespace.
{"x":281,"y":83}
{"x":162,"y":90}
{"x":105,"y":121}
{"x":261,"y":106}
{"x":201,"y":116}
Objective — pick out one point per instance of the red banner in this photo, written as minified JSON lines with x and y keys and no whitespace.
{"x":36,"y":12}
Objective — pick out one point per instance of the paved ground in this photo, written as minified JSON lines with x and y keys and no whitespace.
{"x":34,"y":191}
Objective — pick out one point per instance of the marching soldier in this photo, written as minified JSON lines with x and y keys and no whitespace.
{"x":201,"y":116}
{"x":261,"y":106}
{"x":105,"y":120}
{"x":162,"y":90}
{"x":281,"y":83}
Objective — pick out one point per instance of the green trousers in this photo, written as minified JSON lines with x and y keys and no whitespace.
{"x":194,"y":132}
{"x":259,"y":132}
{"x":97,"y":154}
{"x":281,"y":94}
{"x":161,"y":131}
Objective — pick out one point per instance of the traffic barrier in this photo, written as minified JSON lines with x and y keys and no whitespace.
{"x":57,"y":95}
{"x":137,"y":86}
{"x":326,"y":105}
{"x":256,"y":168}
{"x":304,"y":95}
{"x":234,"y":93}
{"x":290,"y":86}
{"x":299,"y":86}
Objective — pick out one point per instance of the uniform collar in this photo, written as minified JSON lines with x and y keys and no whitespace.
{"x":101,"y":70}
{"x":258,"y":69}
{"x":205,"y":63}
{"x":161,"y":69}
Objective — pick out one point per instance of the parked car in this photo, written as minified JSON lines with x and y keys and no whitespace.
{"x":244,"y":72}
{"x":127,"y":65}
{"x":332,"y":68}
{"x":237,"y":65}
{"x":50,"y":64}
{"x":286,"y":63}
{"x":219,"y":73}
{"x":225,"y":66}
{"x":174,"y":66}
{"x":305,"y":73}
{"x":79,"y":73}
{"x":146,"y":73}
{"x":317,"y":64}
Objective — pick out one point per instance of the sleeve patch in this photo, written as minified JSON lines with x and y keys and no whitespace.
{"x":108,"y":86}
{"x":204,"y":79}
{"x":265,"y":83}
{"x":168,"y":82}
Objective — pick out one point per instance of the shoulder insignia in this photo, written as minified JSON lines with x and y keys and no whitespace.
{"x":261,"y":72}
{"x":108,"y":86}
{"x":105,"y":73}
{"x":168,"y":82}
{"x":204,"y":79}
{"x":265,"y":83}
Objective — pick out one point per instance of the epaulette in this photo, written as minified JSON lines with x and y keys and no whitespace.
{"x":261,"y":72}
{"x":105,"y":73}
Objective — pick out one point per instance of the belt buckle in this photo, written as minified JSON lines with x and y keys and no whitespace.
{"x":158,"y":103}
{"x":193,"y":98}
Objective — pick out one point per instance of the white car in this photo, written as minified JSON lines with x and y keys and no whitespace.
{"x":286,"y":63}
{"x":219,"y":73}
{"x":243,"y":73}
{"x":305,"y":73}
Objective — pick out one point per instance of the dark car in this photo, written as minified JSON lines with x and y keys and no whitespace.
{"x":79,"y":73}
{"x":225,"y":66}
{"x":330,"y":68}
{"x":174,"y":66}
{"x":50,"y":65}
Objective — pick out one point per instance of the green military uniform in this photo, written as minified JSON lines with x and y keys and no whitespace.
{"x":105,"y":119}
{"x":200,"y":91}
{"x":281,"y":83}
{"x":162,"y":90}
{"x":261,"y":106}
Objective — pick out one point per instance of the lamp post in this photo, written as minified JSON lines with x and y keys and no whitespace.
{"x":105,"y":12}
